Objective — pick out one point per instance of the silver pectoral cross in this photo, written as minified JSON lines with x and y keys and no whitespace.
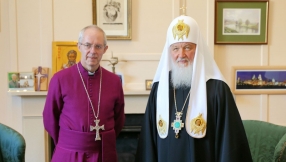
{"x":97,"y":128}
{"x":177,"y":124}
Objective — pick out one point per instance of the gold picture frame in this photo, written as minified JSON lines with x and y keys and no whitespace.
{"x":114,"y":17}
{"x":148,"y":84}
{"x":259,"y":80}
{"x":60,"y":55}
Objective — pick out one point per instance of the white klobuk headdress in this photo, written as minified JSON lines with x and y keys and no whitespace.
{"x":185,"y":29}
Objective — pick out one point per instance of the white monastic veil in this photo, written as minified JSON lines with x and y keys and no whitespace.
{"x":204,"y":69}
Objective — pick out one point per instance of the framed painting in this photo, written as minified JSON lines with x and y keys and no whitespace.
{"x":241,"y":21}
{"x":114,"y":17}
{"x":65,"y":55}
{"x":259,"y":80}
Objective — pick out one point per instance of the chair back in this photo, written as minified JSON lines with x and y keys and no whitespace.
{"x":267,"y":141}
{"x":12,"y":145}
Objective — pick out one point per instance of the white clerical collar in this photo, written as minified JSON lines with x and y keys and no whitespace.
{"x":90,"y":73}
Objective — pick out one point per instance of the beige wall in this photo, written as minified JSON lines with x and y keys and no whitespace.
{"x":260,"y":107}
{"x":28,"y":28}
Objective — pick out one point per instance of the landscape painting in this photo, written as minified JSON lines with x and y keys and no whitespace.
{"x":260,"y":80}
{"x":241,"y":21}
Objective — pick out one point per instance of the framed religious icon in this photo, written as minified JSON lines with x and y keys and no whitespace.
{"x":65,"y":55}
{"x":259,"y":80}
{"x":41,"y":78}
{"x":241,"y":21}
{"x":114,"y":17}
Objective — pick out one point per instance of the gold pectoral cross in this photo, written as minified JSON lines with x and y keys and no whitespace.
{"x":97,"y":128}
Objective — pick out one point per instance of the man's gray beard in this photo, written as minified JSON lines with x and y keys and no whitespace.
{"x":181,"y":76}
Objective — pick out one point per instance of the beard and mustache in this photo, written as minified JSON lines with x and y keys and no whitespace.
{"x":181,"y":76}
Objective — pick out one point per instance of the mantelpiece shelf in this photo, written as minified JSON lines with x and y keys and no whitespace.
{"x":44,"y":93}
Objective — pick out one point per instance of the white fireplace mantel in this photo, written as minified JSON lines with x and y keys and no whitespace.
{"x":44,"y":93}
{"x":32,"y":104}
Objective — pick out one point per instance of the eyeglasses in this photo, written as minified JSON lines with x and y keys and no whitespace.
{"x":88,"y":46}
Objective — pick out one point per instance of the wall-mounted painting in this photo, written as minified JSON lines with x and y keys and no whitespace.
{"x":259,"y":80}
{"x":114,"y":17}
{"x":65,"y":55}
{"x":241,"y":21}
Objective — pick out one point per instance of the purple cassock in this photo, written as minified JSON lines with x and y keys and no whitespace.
{"x":68,"y":115}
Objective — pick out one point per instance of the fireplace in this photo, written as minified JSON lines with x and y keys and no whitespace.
{"x":30,"y":120}
{"x":126,"y":142}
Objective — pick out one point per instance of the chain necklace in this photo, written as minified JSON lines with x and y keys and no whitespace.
{"x":177,"y":124}
{"x":96,"y":127}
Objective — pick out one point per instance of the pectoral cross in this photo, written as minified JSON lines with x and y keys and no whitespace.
{"x":177,"y":124}
{"x":97,"y":128}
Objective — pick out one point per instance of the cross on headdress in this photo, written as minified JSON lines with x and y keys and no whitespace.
{"x":183,"y":9}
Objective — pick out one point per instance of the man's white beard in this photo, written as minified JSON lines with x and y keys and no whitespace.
{"x":181,"y":75}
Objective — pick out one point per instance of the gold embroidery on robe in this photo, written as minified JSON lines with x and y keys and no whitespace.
{"x":198,"y":124}
{"x":162,"y":126}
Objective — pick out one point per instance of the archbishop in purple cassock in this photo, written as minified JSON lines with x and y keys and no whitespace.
{"x":68,"y":114}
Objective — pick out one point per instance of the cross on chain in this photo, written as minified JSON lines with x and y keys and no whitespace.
{"x":177,"y":124}
{"x":39,"y":76}
{"x":97,"y":128}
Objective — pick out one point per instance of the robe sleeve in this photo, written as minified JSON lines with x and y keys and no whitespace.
{"x":52,"y":109}
{"x":119,"y":115}
{"x":147,"y":146}
{"x":230,"y":137}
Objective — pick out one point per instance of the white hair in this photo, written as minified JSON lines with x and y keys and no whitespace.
{"x":81,"y":33}
{"x":181,"y":76}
